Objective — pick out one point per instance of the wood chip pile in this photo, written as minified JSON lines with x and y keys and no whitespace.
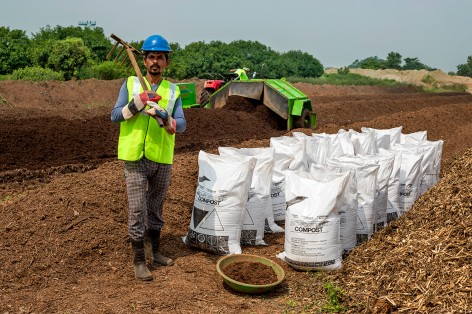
{"x":421,"y":263}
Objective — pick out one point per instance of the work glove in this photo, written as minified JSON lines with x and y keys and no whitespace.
{"x":171,"y":125}
{"x":138,"y":103}
{"x":164,"y":119}
{"x":158,"y":113}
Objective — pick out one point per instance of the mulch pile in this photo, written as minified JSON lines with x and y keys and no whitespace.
{"x":421,"y":263}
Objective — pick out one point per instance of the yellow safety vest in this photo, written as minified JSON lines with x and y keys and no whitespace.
{"x":242,"y":74}
{"x":141,"y":135}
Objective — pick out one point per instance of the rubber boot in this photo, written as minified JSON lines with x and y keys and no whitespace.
{"x":147,"y":247}
{"x":141,"y":271}
{"x":157,"y":258}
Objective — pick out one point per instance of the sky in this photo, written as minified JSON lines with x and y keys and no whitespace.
{"x":336,"y":32}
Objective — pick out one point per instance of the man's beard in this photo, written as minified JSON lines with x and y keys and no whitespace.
{"x":155,"y":70}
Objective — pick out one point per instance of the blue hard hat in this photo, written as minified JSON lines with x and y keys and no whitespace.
{"x":156,"y":43}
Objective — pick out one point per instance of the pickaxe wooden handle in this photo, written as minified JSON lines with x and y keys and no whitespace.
{"x":131,"y":51}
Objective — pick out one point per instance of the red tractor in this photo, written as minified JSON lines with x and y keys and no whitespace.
{"x":212,"y":86}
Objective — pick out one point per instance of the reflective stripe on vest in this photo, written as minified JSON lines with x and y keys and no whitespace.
{"x":141,"y":135}
{"x":173,"y":88}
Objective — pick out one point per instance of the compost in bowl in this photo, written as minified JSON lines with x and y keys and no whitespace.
{"x":230,"y":260}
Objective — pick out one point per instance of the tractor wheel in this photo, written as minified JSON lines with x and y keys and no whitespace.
{"x":205,"y":97}
{"x":304,"y":121}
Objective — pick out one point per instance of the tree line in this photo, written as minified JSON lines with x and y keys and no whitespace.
{"x":64,"y":53}
{"x":393,"y":61}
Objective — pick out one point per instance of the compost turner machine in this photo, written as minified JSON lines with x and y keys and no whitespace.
{"x":277,"y":94}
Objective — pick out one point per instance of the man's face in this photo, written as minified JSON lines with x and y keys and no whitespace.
{"x":156,"y":62}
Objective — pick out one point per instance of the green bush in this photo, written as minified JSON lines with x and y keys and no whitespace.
{"x":466,"y":68}
{"x":107,"y":70}
{"x":343,"y":71}
{"x":335,"y":298}
{"x":68,"y":56}
{"x":85,"y":72}
{"x":35,"y":74}
{"x":428,"y":79}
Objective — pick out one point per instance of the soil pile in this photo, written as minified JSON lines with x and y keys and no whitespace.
{"x":251,"y":273}
{"x":63,"y":225}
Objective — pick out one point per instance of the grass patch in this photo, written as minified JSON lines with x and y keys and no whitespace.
{"x":6,"y":198}
{"x":317,"y":294}
{"x":453,"y":88}
{"x":335,"y":299}
{"x":346,"y":79}
{"x":437,"y":87}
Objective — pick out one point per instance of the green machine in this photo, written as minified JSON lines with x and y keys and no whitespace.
{"x":188,"y":95}
{"x":277,"y":94}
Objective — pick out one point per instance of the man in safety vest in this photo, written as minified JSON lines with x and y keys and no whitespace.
{"x":148,"y":122}
{"x":239,"y":74}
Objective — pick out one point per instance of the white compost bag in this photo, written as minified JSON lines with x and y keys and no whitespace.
{"x":291,"y":146}
{"x":316,"y":148}
{"x":393,"y":209}
{"x":220,"y":202}
{"x":431,"y":163}
{"x":385,"y":163}
{"x":312,"y":239}
{"x":366,"y":179}
{"x":381,"y":134}
{"x":259,"y":213}
{"x":433,"y":177}
{"x":347,"y":204}
{"x":341,"y":144}
{"x":410,"y":175}
{"x":364,"y":143}
{"x":419,"y":136}
{"x":277,"y":192}
{"x":427,"y":163}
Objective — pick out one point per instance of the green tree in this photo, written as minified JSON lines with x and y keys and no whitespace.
{"x":393,"y":61}
{"x":301,"y":64}
{"x":80,"y":52}
{"x":40,"y":52}
{"x":68,"y":56}
{"x":415,"y":64}
{"x":94,"y":38}
{"x":193,"y":61}
{"x":355,"y":65}
{"x":374,"y":63}
{"x":466,"y":68}
{"x":204,"y":60}
{"x":14,"y":50}
{"x":253,"y":55}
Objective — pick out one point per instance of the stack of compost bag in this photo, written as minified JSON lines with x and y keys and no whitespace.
{"x":330,"y":192}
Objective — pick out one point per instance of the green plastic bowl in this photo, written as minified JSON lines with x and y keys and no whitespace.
{"x":245,"y":287}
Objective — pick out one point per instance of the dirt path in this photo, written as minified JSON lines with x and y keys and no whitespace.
{"x":63,"y":231}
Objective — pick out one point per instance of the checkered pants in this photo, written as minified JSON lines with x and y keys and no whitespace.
{"x":147,"y":183}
